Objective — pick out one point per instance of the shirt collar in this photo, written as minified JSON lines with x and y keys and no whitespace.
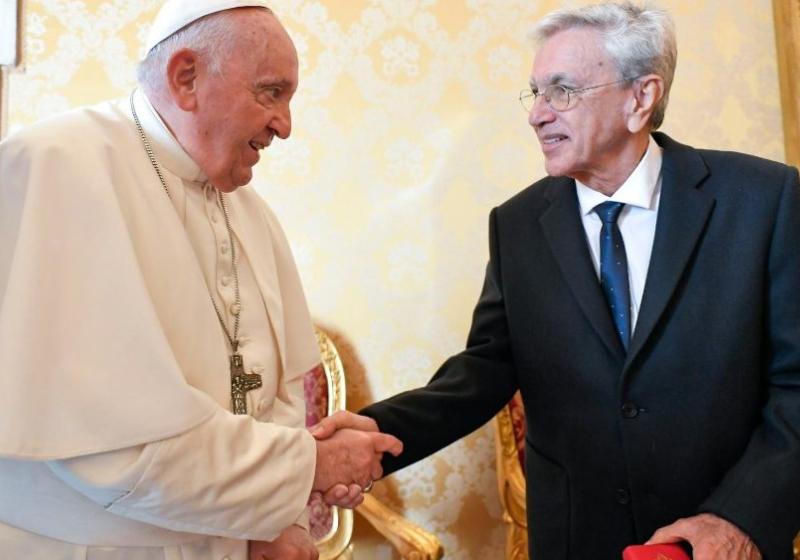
{"x":166,"y":148}
{"x":639,"y":188}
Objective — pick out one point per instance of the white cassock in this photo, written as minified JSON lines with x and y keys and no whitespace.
{"x":116,"y":436}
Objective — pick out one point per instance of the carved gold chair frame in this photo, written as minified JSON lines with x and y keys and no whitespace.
{"x":511,"y":485}
{"x":410,"y":541}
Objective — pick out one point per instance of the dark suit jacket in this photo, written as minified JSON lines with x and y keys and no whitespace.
{"x":703,"y":413}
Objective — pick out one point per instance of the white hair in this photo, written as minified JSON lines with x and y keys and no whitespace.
{"x":212,"y":36}
{"x":639,"y":40}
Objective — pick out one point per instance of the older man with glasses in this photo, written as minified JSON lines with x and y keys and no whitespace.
{"x":645,"y":300}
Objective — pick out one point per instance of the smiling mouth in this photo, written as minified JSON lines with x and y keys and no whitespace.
{"x":556,"y":140}
{"x":257,"y":146}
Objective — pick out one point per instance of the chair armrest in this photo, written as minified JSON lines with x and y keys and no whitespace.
{"x":410,"y":540}
{"x":797,"y":547}
{"x":510,"y":477}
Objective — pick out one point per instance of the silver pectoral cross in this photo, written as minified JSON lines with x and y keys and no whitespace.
{"x":241,"y":383}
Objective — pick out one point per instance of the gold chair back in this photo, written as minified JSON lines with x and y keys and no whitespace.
{"x":333,"y":527}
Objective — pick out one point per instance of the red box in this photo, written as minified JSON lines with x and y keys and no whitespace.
{"x":654,"y":552}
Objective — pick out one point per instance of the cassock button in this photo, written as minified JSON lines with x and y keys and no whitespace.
{"x":235,"y":309}
{"x":215,"y":218}
{"x":224,"y":248}
{"x":226,"y":280}
{"x":623,"y":498}
{"x":630,"y":410}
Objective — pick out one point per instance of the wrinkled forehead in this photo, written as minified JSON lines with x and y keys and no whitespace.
{"x":264,"y":43}
{"x":259,"y":27}
{"x":570,"y":55}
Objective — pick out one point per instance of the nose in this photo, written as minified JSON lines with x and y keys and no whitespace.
{"x":541,"y":112}
{"x":281,"y":123}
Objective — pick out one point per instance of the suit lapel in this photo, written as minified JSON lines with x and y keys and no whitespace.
{"x":683,"y":213}
{"x":563,"y":229}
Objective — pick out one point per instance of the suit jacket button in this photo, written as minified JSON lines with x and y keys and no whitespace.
{"x":630,"y":410}
{"x":623,"y":498}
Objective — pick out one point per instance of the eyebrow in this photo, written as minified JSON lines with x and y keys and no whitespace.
{"x":551,"y":79}
{"x":264,"y":84}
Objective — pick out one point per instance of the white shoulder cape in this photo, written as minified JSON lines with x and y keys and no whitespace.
{"x":107,"y":335}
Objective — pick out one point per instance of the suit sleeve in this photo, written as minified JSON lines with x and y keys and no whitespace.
{"x":761,"y":493}
{"x":467,"y":390}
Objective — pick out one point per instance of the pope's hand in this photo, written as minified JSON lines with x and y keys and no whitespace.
{"x":711,"y":537}
{"x":343,"y":496}
{"x":352,"y":457}
{"x":294,"y":543}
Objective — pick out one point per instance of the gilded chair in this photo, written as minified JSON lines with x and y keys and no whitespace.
{"x":509,"y":427}
{"x":797,"y":547}
{"x":331,"y":527}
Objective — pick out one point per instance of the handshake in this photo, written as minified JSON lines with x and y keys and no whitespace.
{"x":349,"y":453}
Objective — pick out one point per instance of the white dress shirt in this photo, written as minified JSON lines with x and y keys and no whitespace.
{"x":640,"y":193}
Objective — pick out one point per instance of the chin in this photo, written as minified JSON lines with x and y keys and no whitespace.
{"x":553,"y":170}
{"x":242,"y":179}
{"x":229,"y":185}
{"x":558,"y":169}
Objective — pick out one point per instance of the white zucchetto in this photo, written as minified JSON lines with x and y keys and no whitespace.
{"x":177,"y":14}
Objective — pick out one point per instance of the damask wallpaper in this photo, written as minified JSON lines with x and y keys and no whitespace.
{"x":406,"y":132}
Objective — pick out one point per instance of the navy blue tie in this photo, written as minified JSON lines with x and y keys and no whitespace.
{"x":614,"y":269}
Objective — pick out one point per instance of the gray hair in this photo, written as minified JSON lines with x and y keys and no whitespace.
{"x":212,"y":36}
{"x":639,"y":40}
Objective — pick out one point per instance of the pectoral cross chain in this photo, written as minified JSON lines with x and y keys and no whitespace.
{"x":241,"y":383}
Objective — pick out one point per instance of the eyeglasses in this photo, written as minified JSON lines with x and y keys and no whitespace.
{"x":556,"y":95}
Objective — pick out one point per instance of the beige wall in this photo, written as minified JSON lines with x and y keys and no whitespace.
{"x":407,"y":131}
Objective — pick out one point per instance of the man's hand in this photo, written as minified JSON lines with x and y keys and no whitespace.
{"x":711,"y":537}
{"x":343,"y":419}
{"x":294,"y":543}
{"x":352,"y":457}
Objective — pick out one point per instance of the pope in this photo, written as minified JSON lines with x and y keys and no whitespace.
{"x":153,"y":328}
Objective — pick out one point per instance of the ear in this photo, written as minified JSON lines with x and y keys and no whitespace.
{"x":182,"y":76}
{"x":647,"y":92}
